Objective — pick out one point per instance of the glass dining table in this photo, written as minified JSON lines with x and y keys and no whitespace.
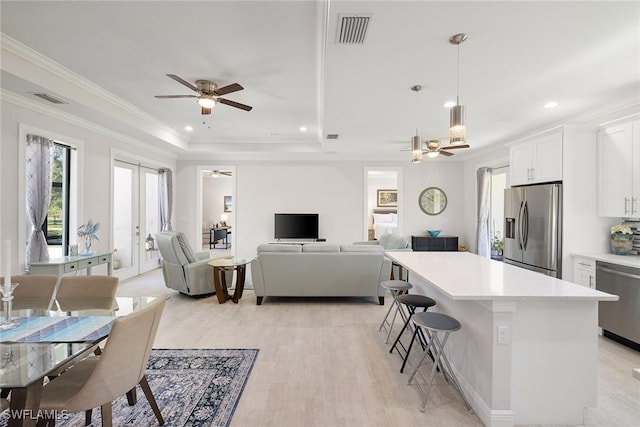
{"x":50,"y":335}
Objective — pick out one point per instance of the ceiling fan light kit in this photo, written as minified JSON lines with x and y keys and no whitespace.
{"x":209,"y":94}
{"x":457,"y":127}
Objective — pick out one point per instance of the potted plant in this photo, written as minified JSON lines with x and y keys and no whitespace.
{"x":497,"y":244}
{"x":621,"y":239}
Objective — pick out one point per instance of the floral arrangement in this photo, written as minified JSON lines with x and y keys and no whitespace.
{"x":621,"y":229}
{"x":88,"y":230}
{"x":497,"y":244}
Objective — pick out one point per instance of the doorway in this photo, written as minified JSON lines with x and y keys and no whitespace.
{"x":382,"y":202}
{"x":216,"y":213}
{"x":136,"y":219}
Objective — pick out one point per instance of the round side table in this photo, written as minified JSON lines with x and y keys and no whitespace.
{"x":220,"y":267}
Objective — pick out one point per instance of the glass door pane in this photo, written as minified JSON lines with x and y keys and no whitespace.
{"x":125,"y":222}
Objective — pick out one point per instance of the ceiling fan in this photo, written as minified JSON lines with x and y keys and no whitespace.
{"x":434,"y":148}
{"x":217,"y":173}
{"x":208,"y":94}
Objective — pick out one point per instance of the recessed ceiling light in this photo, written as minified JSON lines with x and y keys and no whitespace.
{"x":551,"y":104}
{"x":303,"y":128}
{"x":449,"y":104}
{"x":188,"y":128}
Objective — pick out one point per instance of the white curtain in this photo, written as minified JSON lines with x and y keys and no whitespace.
{"x":165,"y":196}
{"x":484,"y":206}
{"x":39,"y":157}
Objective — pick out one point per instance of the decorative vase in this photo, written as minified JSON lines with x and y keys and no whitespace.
{"x":621,"y":244}
{"x":87,"y":244}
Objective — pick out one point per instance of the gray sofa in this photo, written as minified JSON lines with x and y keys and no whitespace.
{"x":319,"y":270}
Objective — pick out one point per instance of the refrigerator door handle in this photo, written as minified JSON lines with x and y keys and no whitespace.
{"x":519,"y":226}
{"x":525,"y":221}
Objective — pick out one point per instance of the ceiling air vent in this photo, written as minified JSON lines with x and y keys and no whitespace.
{"x":352,"y":29}
{"x":332,"y":136}
{"x":50,"y":98}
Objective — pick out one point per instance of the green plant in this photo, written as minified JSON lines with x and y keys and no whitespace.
{"x":497,"y":243}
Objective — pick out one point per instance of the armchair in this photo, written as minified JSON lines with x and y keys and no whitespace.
{"x":183,"y":269}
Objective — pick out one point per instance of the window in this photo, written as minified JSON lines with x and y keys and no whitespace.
{"x":56,"y":225}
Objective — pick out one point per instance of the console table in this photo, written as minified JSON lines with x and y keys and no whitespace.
{"x":69,"y":264}
{"x":440,"y":243}
{"x":220,"y":233}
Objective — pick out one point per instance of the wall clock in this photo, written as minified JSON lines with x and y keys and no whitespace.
{"x":432,"y":201}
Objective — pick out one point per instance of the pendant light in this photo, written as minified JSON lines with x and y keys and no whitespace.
{"x":457,"y":127}
{"x":416,"y":145}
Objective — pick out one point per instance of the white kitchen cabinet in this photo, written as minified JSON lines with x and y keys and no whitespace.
{"x":536,"y":160}
{"x":584,"y":272}
{"x":619,"y":170}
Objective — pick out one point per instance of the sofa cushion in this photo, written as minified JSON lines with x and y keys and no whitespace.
{"x":361,"y":248}
{"x":279,"y":248}
{"x":320,"y":247}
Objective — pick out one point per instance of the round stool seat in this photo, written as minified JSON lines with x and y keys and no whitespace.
{"x":416,"y":300}
{"x":436,"y":321}
{"x":396,"y":285}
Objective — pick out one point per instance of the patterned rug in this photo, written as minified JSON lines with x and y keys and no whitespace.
{"x":198,"y":387}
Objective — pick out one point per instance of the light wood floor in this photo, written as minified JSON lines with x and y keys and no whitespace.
{"x":322,"y":362}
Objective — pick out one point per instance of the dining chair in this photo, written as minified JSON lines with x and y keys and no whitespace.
{"x":87,"y":287}
{"x":98,"y":380}
{"x":34,"y":286}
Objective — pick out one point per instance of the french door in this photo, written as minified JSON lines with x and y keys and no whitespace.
{"x":136,"y":219}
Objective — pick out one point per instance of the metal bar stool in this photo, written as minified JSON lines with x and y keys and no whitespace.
{"x":397,"y":288}
{"x":412,"y":302}
{"x":433,"y":323}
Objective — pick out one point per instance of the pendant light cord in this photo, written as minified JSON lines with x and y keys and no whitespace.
{"x":458,"y":79}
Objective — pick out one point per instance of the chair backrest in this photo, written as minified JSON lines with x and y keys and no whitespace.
{"x":87,"y":287}
{"x":174,"y":248}
{"x":124,"y":359}
{"x":39,"y":286}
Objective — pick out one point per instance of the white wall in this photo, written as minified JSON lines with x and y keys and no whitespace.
{"x":334,"y":190}
{"x":213,"y":192}
{"x":95,"y":188}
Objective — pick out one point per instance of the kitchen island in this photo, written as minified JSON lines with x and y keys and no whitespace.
{"x":527,"y":350}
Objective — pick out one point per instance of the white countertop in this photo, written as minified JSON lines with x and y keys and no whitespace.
{"x":626,"y":260}
{"x":466,"y":276}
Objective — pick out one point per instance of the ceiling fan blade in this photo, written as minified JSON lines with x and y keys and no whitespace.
{"x":225,"y":173}
{"x":175,"y":96}
{"x":205,"y":110}
{"x":452,"y":147}
{"x":235,"y":104}
{"x":446,"y":153}
{"x":234,"y":87}
{"x":184,"y":82}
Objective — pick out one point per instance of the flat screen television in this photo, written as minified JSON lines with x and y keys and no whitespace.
{"x":296,"y":226}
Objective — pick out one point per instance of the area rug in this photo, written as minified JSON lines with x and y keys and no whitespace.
{"x":196,"y":387}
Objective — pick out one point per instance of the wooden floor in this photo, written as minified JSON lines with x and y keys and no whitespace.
{"x":322,"y":362}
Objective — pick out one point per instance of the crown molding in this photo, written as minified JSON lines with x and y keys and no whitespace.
{"x":36,"y":59}
{"x":41,"y":108}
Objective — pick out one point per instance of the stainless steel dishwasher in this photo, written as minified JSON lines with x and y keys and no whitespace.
{"x":620,"y":319}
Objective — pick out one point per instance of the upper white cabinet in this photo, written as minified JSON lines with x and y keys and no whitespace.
{"x":619,"y":170}
{"x":536,"y":160}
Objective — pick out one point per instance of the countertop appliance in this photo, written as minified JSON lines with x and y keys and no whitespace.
{"x":619,"y":320}
{"x":533,"y":228}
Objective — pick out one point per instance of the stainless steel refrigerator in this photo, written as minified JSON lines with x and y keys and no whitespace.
{"x":533,"y":228}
